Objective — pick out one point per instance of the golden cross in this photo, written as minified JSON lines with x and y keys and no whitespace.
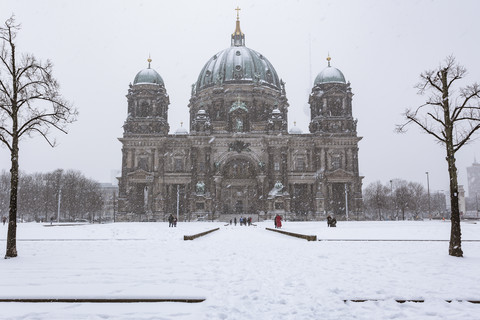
{"x":238,"y":9}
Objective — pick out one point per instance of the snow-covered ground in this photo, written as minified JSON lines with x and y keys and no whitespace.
{"x":242,"y":272}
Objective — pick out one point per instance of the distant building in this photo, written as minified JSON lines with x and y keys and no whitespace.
{"x":114,"y":177}
{"x":239,"y":157}
{"x":473,"y":177}
{"x":109,"y":195}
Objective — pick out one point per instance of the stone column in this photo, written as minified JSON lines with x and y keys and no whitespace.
{"x":218,"y":194}
{"x":261,"y":194}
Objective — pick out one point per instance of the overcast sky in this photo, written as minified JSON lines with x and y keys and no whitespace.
{"x":97,"y":48}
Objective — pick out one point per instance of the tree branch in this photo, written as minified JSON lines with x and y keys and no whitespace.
{"x":458,"y":145}
{"x":436,"y":118}
{"x":5,"y":63}
{"x":424,"y":127}
{"x":5,"y":141}
{"x":5,"y":90}
{"x":44,"y":136}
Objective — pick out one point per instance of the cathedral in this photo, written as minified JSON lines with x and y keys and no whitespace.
{"x":239,"y":157}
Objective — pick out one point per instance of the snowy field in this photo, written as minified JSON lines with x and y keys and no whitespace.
{"x":242,"y":272}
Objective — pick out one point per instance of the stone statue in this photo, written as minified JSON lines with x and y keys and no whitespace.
{"x":239,"y":125}
{"x":200,"y":187}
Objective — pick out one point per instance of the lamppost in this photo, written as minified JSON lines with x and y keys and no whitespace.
{"x":59,"y":202}
{"x":114,"y":204}
{"x":391,"y":192}
{"x":178,"y":201}
{"x":45,"y":196}
{"x":428,"y":193}
{"x":346,"y":201}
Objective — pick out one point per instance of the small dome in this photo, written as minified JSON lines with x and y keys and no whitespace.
{"x":148,"y":76}
{"x":330,"y":75}
{"x":295,"y":129}
{"x":181,"y":131}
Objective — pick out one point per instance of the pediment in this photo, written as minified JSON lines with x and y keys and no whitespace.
{"x":140,"y":176}
{"x":339,"y":175}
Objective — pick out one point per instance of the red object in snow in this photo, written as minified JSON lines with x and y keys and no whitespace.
{"x":278,"y":220}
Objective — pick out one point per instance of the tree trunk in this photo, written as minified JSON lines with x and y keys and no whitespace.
{"x":12,"y":217}
{"x":455,"y":248}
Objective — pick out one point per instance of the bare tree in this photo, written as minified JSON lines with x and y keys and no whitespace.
{"x":30,"y":103}
{"x":418,"y":198}
{"x":403,"y":196}
{"x":451,"y":116}
{"x":376,"y":198}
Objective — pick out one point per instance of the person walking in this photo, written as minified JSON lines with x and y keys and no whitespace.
{"x":278,"y":221}
{"x":170,"y":221}
{"x":235,"y":221}
{"x":4,"y":219}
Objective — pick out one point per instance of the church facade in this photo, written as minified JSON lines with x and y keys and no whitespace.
{"x":239,"y":157}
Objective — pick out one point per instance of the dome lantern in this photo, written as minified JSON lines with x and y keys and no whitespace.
{"x":238,"y":37}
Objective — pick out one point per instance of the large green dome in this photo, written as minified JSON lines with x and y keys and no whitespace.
{"x":148,"y":76}
{"x":330,"y":75}
{"x":238,"y":64}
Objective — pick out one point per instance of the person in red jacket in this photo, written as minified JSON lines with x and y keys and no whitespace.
{"x":278,"y":221}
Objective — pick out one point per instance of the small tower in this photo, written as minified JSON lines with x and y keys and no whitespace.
{"x":147,"y":105}
{"x":201,"y":123}
{"x":147,"y":119}
{"x":276,"y":123}
{"x":331,"y":104}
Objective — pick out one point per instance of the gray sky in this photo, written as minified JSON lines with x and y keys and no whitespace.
{"x":97,"y":48}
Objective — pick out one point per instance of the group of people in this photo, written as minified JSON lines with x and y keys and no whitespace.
{"x":244,"y":221}
{"x":172,"y":221}
{"x":277,"y":221}
{"x":331,"y":222}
